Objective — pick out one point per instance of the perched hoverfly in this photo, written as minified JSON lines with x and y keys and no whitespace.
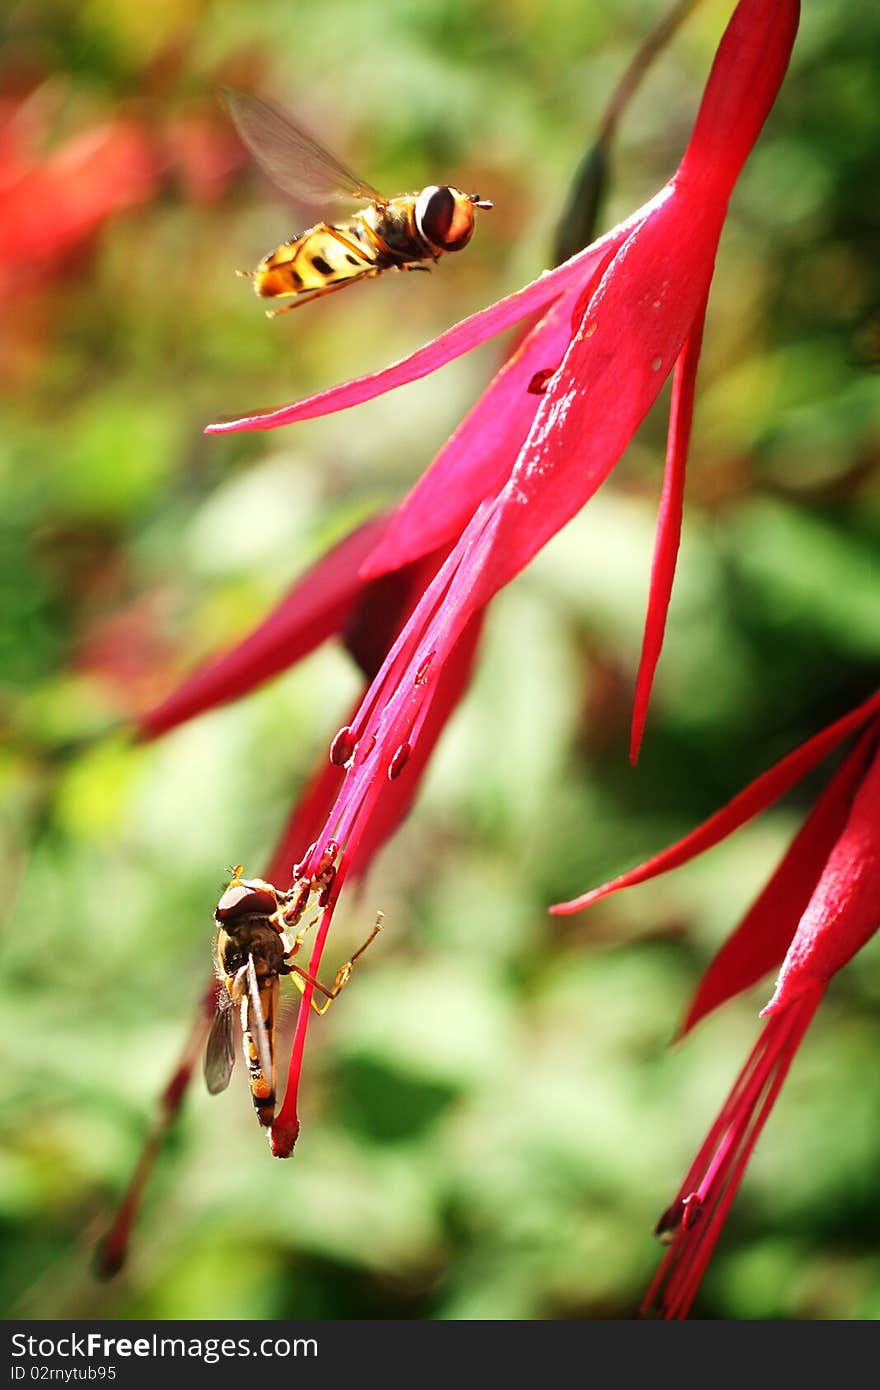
{"x":389,"y":234}
{"x":251,"y":952}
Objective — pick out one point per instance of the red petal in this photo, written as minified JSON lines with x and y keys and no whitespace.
{"x":476,"y":461}
{"x":317,"y":606}
{"x":764,"y":935}
{"x":844,"y":911}
{"x":668,"y":526}
{"x":746,"y":75}
{"x":756,"y":797}
{"x":453,"y":343}
{"x":633,"y":330}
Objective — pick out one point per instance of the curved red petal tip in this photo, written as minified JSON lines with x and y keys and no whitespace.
{"x":841,"y":916}
{"x":669,"y":521}
{"x":791,"y":991}
{"x":283,"y":1137}
{"x":753,"y":799}
{"x":456,"y":341}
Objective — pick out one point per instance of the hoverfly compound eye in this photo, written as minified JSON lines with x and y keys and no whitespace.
{"x":245,"y":899}
{"x":444,"y":218}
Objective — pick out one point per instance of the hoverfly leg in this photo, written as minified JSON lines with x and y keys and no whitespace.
{"x":377,"y":927}
{"x":245,"y":275}
{"x":343,"y":975}
{"x":320,"y":294}
{"x":352,"y":246}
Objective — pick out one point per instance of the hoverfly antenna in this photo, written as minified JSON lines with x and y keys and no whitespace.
{"x":479,"y":202}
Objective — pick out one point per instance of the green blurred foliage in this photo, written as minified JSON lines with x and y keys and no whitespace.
{"x":492,"y":1120}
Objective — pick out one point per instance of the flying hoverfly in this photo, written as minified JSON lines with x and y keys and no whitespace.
{"x":397,"y":233}
{"x":251,"y":952}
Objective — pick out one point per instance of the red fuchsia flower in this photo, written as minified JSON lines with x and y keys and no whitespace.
{"x":612,"y":323}
{"x":607,"y":328}
{"x":819,"y":908}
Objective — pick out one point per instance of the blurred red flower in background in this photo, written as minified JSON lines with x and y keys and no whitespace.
{"x":52,"y":203}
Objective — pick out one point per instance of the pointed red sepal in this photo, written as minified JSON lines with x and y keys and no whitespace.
{"x":753,"y":799}
{"x":764,"y":935}
{"x":668,"y":526}
{"x":318,"y":605}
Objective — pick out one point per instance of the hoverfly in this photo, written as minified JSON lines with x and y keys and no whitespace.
{"x":397,"y":233}
{"x":251,"y":952}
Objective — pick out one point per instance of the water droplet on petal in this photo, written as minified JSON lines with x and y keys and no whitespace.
{"x":538,"y":384}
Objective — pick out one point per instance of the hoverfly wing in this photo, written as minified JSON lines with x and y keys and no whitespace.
{"x":257,"y":1023}
{"x":298,"y":163}
{"x":220,"y":1049}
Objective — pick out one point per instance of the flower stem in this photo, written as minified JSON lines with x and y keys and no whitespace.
{"x":577,"y":224}
{"x":651,"y":46}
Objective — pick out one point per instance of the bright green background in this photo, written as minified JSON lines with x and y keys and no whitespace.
{"x":491,"y":1118}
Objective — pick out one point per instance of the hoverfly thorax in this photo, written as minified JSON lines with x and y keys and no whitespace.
{"x":398,"y":233}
